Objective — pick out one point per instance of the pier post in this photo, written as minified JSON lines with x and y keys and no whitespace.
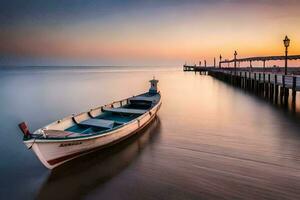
{"x":245,"y":80}
{"x":270,"y":88}
{"x":214,"y":62}
{"x":281,"y":94}
{"x":286,"y":95}
{"x":285,"y":91}
{"x":255,"y":83}
{"x":259,"y":84}
{"x":276,"y":88}
{"x":249,"y":82}
{"x":282,"y":90}
{"x":265,"y":85}
{"x":240,"y":79}
{"x":294,"y":92}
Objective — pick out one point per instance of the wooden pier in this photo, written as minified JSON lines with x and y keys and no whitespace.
{"x":270,"y":83}
{"x":195,"y":68}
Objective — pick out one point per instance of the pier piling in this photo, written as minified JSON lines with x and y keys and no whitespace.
{"x":263,"y":83}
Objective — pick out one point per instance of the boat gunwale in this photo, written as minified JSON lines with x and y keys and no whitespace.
{"x":100,"y":134}
{"x":84,"y":112}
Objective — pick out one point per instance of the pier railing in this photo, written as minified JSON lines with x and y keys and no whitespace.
{"x":262,"y":77}
{"x":270,"y":82}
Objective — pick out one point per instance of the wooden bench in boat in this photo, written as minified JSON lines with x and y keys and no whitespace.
{"x":101,"y":123}
{"x":151,"y":98}
{"x":125,"y":110}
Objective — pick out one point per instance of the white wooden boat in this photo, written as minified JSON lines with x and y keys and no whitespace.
{"x":100,"y":127}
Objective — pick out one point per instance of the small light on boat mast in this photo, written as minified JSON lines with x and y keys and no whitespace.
{"x":153,"y":87}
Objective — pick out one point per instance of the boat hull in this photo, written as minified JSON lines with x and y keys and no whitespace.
{"x":53,"y":153}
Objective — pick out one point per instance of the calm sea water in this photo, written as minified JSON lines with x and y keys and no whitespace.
{"x":209,"y":141}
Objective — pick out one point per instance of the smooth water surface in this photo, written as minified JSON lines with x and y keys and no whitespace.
{"x":209,"y":141}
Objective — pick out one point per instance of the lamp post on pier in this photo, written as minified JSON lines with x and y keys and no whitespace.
{"x":286,"y":43}
{"x":204,"y":63}
{"x":220,"y":61}
{"x":235,"y":54}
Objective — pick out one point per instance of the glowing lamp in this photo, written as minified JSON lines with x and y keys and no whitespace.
{"x":286,"y":42}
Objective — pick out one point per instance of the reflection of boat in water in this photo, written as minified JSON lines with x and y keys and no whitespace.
{"x":100,"y":127}
{"x":80,"y":176}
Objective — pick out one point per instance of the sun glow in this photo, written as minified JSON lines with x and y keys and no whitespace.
{"x":171,"y":34}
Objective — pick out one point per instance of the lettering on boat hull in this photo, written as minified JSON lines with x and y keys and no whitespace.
{"x":69,"y":144}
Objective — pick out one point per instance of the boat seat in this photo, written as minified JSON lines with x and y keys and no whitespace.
{"x":101,"y":123}
{"x":119,"y":122}
{"x":150,"y":98}
{"x":125,"y":110}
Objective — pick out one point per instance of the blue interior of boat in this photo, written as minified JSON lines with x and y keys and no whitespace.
{"x":117,"y":118}
{"x":84,"y":129}
{"x":114,"y":117}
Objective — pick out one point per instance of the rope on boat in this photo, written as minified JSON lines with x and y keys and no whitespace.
{"x":42,"y":134}
{"x":32,"y":143}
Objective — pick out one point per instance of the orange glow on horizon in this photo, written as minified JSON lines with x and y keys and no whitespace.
{"x":175,"y":35}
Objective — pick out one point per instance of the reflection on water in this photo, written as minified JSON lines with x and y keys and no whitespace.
{"x":81,"y":176}
{"x":213,"y":141}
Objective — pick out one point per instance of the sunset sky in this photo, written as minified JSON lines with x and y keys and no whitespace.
{"x":150,"y":32}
